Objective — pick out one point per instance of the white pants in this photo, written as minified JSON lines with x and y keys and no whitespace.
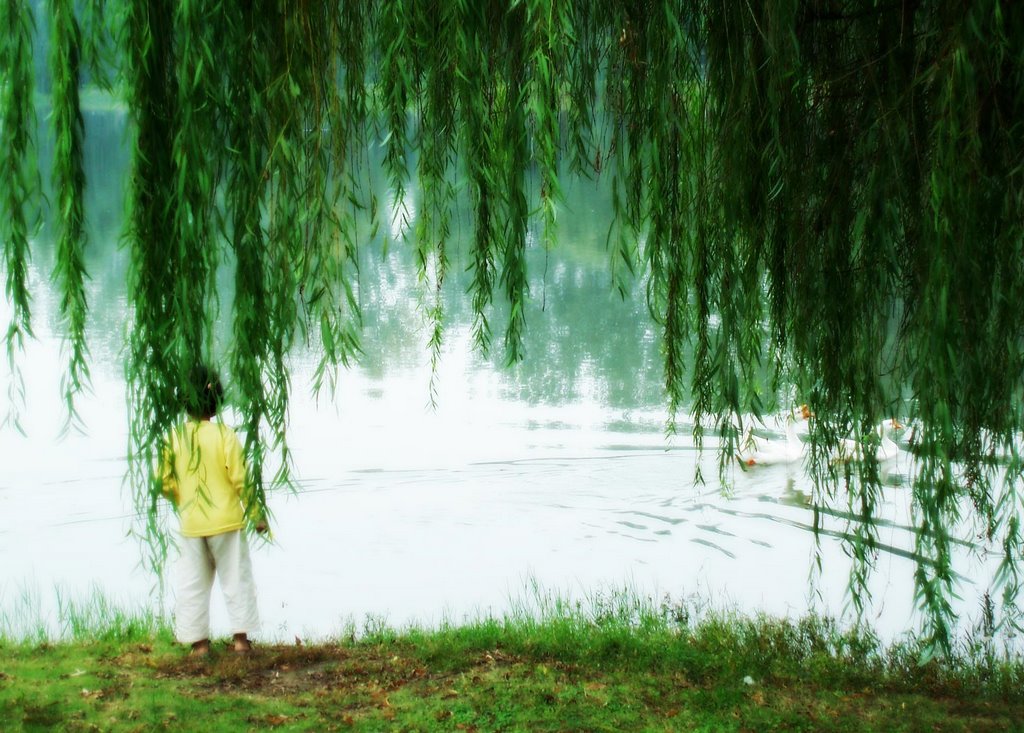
{"x":227,"y":556}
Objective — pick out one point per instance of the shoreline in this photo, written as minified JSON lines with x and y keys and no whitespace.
{"x":626,"y":665}
{"x":561,"y":673}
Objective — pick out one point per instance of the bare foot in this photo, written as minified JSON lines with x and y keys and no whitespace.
{"x":200,"y":648}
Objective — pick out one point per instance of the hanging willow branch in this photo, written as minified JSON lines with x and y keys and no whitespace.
{"x":19,"y":185}
{"x":824,"y":199}
{"x":69,"y":184}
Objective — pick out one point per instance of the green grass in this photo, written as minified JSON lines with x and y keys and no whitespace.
{"x":615,"y":663}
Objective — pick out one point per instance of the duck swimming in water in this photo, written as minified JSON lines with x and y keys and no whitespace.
{"x":756,"y":451}
{"x":852,"y":451}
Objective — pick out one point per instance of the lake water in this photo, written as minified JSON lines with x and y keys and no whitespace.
{"x":556,"y":473}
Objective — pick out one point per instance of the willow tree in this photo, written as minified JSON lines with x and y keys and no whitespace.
{"x":826,"y":191}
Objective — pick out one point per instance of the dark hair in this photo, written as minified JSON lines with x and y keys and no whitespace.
{"x":203,"y":393}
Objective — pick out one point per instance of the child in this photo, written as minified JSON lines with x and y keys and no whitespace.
{"x":203,"y":475}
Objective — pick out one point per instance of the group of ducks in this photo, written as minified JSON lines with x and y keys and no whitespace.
{"x":757,"y":451}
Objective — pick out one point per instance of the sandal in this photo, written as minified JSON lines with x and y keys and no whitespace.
{"x":242,"y":644}
{"x":200,"y":648}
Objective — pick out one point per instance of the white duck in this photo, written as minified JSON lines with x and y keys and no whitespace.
{"x":755,"y":451}
{"x":852,"y":451}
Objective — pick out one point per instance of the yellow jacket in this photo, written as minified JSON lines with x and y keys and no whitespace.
{"x":204,"y":475}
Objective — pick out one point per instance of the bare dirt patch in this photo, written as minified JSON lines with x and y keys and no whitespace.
{"x":286,"y":670}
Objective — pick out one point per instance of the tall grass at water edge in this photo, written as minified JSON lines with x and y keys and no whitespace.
{"x":88,"y":617}
{"x":626,"y":630}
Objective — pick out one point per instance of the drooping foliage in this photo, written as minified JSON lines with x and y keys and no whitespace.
{"x":824,"y":198}
{"x":68,"y":189}
{"x":19,"y":188}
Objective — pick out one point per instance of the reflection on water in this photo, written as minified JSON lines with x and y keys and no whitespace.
{"x":556,"y":471}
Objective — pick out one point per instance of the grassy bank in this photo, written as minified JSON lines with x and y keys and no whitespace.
{"x":620,"y":665}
